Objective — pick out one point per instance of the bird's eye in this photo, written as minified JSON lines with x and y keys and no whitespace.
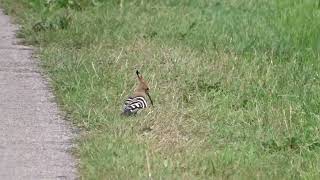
{"x":147,"y":89}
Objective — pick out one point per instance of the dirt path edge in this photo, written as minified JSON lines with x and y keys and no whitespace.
{"x":35,"y":141}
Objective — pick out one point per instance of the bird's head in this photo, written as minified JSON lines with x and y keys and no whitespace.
{"x":143,"y":86}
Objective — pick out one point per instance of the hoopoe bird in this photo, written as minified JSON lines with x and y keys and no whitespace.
{"x":137,"y":101}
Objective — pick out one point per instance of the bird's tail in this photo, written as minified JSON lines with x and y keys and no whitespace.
{"x":127,"y":112}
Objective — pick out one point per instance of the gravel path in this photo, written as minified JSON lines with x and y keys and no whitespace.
{"x":35,"y":142}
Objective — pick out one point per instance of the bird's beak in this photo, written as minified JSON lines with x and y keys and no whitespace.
{"x":150,"y":98}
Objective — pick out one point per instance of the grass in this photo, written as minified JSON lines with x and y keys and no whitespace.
{"x":235,"y":84}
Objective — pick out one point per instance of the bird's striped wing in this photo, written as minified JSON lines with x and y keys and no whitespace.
{"x":133,"y":104}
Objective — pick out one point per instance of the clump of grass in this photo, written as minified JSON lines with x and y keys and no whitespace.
{"x":235,"y":85}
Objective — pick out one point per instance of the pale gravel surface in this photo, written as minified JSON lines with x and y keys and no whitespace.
{"x":35,"y":142}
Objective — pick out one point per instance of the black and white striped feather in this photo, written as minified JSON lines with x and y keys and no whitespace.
{"x":133,"y":104}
